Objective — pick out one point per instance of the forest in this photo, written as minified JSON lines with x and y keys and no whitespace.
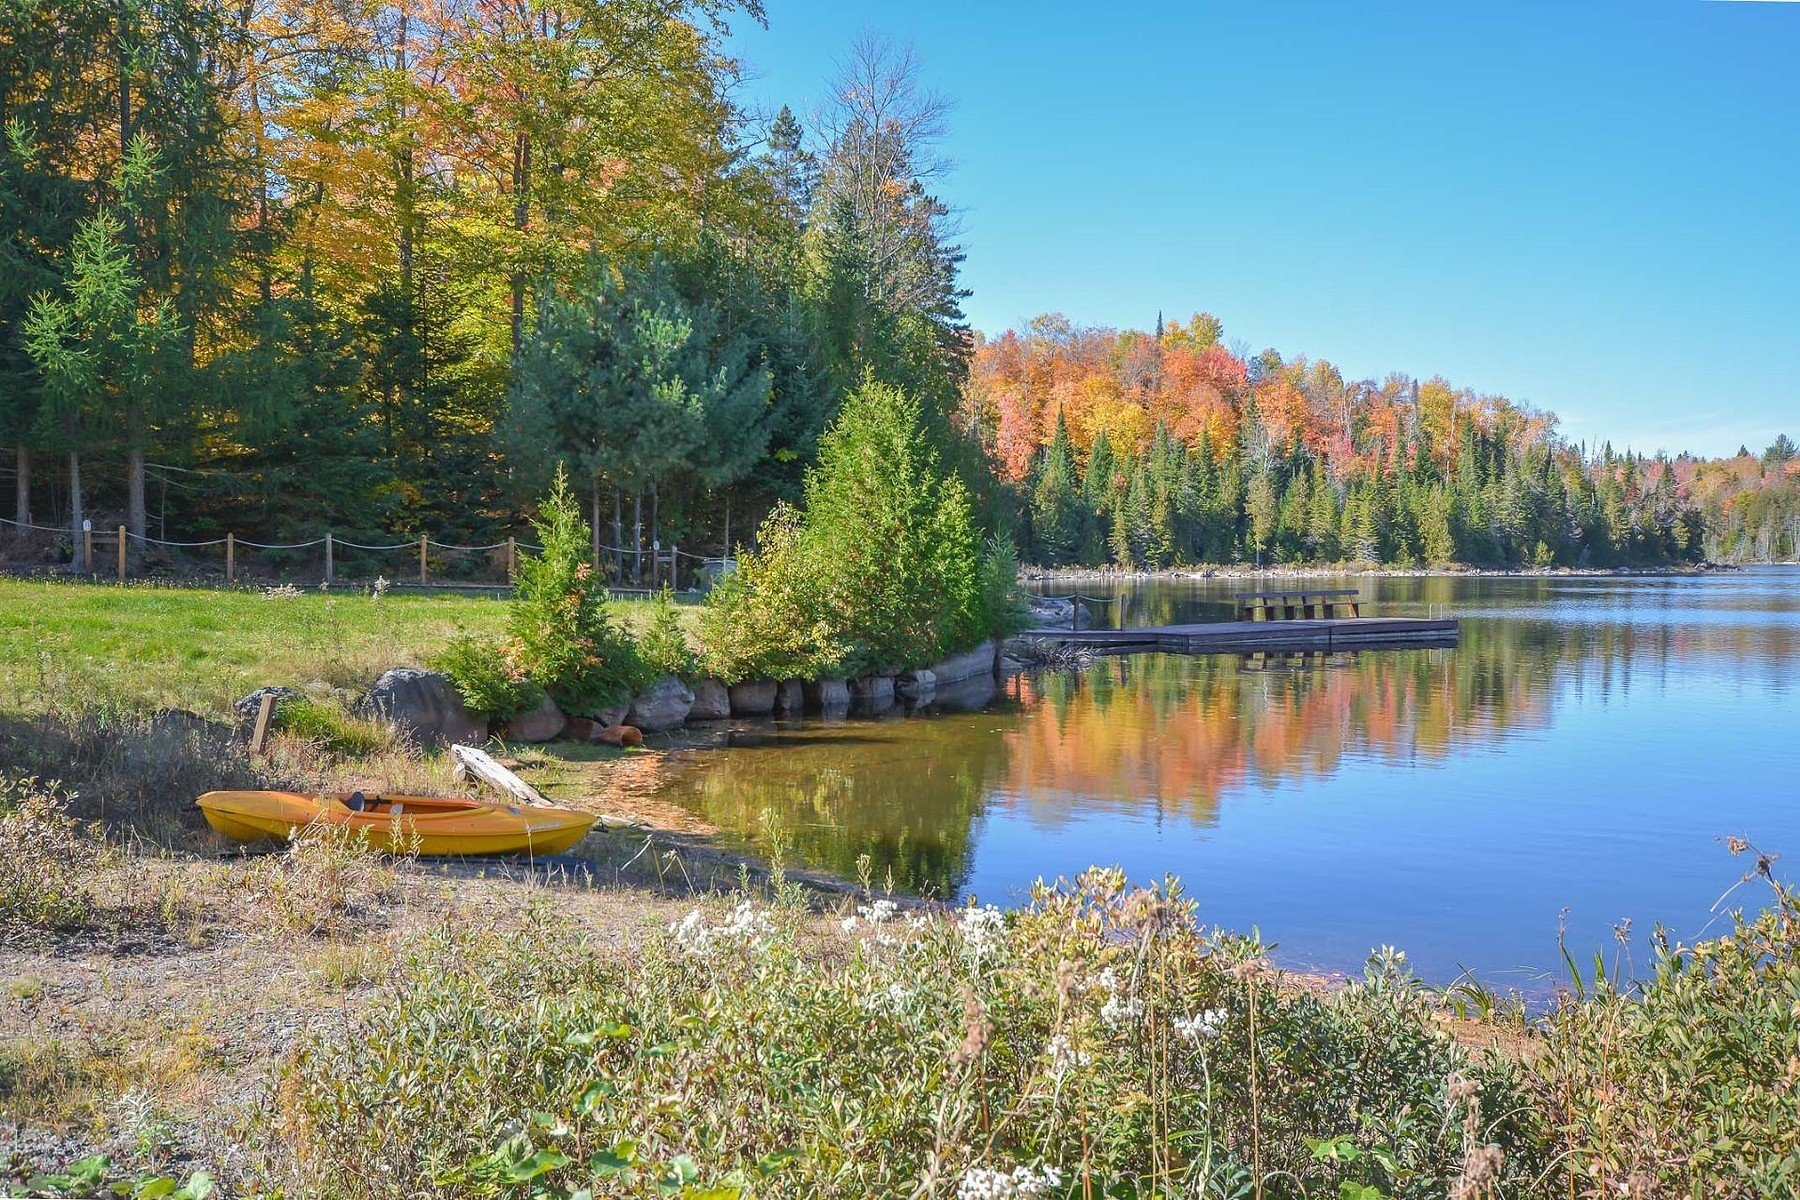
{"x":378,"y":268}
{"x":1152,"y":449}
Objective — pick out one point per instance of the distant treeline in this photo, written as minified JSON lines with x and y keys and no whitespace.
{"x":1147,"y":450}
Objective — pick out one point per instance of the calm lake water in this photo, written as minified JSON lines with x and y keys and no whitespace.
{"x":1577,"y":760}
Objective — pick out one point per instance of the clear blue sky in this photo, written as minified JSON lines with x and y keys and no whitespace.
{"x":1593,"y":208}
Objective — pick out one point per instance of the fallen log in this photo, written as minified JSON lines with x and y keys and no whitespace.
{"x":475,"y":763}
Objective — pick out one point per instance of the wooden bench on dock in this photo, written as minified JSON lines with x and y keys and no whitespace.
{"x":1300,"y":604}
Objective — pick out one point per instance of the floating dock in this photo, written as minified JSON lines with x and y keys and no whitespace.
{"x":1330,"y":636}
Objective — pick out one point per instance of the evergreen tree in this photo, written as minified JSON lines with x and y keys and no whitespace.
{"x":1058,"y":522}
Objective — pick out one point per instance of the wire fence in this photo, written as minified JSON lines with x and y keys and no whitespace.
{"x":118,"y":554}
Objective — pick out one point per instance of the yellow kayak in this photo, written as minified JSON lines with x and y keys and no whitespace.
{"x":399,"y":824}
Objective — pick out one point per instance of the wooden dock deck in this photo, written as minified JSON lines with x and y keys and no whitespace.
{"x":1331,"y":636}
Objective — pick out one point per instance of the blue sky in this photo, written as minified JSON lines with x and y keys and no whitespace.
{"x":1593,"y":208}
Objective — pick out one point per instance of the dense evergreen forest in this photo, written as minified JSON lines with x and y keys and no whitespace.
{"x":304,"y":264}
{"x":1149,"y":449}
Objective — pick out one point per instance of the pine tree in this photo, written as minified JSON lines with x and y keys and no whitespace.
{"x":1057,"y":512}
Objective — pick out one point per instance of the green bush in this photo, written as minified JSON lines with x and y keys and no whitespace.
{"x":884,"y":569}
{"x":766,"y":620}
{"x":1100,"y":1037}
{"x":1689,"y":1084}
{"x":663,"y":645}
{"x":488,"y":675}
{"x":561,"y":632}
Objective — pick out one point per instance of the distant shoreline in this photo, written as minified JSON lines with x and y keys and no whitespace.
{"x":1030,"y":574}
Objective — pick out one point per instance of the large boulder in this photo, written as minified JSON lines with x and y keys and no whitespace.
{"x":608,"y":717}
{"x":790,"y":698}
{"x":1059,"y":612}
{"x":712,"y":701}
{"x":544,"y":723}
{"x":827,"y":695}
{"x":662,"y":708}
{"x":425,"y":707}
{"x":982,"y":660}
{"x":872,"y":689}
{"x":913,"y":685}
{"x":247,"y":708}
{"x":753,"y":698}
{"x":966,"y":695}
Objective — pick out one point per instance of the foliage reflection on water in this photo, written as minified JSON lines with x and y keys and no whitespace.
{"x":1316,"y":766}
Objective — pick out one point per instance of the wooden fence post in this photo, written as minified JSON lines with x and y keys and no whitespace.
{"x":423,"y":542}
{"x":121,"y":554}
{"x":231,"y":558}
{"x":674,"y":568}
{"x":328,"y":564}
{"x":87,"y":548}
{"x":512,"y":558}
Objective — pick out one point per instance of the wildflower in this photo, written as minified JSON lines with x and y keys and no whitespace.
{"x":989,"y":1183}
{"x":878,"y":913}
{"x":379,"y":588}
{"x":1202,"y":1026}
{"x":1064,"y":1057}
{"x":1121,"y":1010}
{"x":982,"y":928}
{"x":745,"y":923}
{"x":282,"y":591}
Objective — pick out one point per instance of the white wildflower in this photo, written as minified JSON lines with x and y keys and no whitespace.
{"x":982,"y":928}
{"x":1064,"y":1057}
{"x":878,"y":913}
{"x":987,"y":1183}
{"x":745,"y":923}
{"x":281,"y":591}
{"x":1121,"y":1010}
{"x":1202,"y":1026}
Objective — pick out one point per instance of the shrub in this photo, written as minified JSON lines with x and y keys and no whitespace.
{"x":1690,"y":1084}
{"x":488,"y":675}
{"x":767,"y":620}
{"x":884,"y":569}
{"x":561,"y":631}
{"x":663,"y":646}
{"x":323,"y":884}
{"x":45,"y":860}
{"x":892,"y":535}
{"x":1100,"y":1038}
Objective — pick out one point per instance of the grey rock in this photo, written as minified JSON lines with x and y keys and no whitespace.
{"x":827,"y":695}
{"x":982,"y":660}
{"x":965,"y":695}
{"x":790,"y":698}
{"x":606,"y":718}
{"x":753,"y":698}
{"x":248,"y":707}
{"x":1059,"y":612}
{"x":872,"y":689}
{"x":662,"y":708}
{"x":542,"y":724}
{"x":712,"y":701}
{"x":425,"y":707}
{"x":913,"y":685}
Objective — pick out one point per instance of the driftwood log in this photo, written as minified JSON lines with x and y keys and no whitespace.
{"x":475,"y":763}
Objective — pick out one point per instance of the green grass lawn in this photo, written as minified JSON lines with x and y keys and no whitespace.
{"x":148,"y":647}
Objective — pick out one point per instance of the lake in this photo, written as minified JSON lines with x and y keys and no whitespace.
{"x":1574,"y":763}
